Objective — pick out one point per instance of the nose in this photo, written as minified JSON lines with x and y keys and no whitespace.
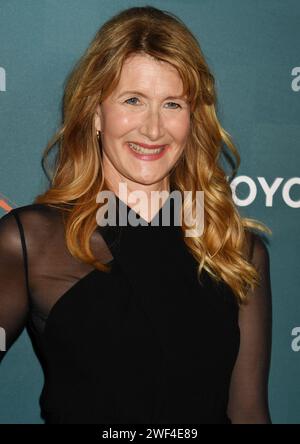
{"x":152,"y":125}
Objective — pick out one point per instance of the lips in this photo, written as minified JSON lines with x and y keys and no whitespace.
{"x":145,"y":145}
{"x":140,"y":151}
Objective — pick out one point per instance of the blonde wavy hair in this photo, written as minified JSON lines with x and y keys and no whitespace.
{"x":77,"y":176}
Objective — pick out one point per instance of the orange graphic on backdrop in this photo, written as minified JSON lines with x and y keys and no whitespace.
{"x":5,"y":205}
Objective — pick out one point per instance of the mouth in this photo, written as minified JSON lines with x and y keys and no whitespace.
{"x":147,"y":152}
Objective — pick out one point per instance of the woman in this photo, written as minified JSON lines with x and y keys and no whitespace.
{"x":140,"y":324}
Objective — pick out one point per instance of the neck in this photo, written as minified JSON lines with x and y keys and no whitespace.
{"x":122,"y":187}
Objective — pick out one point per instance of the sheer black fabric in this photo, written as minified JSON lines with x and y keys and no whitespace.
{"x":145,"y":343}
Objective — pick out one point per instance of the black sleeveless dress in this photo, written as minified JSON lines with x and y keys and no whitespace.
{"x":146,"y":343}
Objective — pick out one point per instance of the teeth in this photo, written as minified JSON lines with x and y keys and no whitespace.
{"x":140,"y":149}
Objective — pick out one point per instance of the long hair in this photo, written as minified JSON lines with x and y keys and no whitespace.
{"x":77,"y":176}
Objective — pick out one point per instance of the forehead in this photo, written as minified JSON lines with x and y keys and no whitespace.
{"x":150,"y":75}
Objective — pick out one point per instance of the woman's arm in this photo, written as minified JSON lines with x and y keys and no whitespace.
{"x":13,"y":293}
{"x":248,"y":395}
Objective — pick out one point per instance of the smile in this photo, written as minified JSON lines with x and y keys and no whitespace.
{"x":142,"y":150}
{"x":146,"y":153}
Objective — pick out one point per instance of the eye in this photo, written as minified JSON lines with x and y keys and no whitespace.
{"x":177,"y":105}
{"x":131,"y":98}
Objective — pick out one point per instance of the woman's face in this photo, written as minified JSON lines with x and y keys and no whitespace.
{"x":147,"y":110}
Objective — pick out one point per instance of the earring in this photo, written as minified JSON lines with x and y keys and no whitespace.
{"x":98,"y":134}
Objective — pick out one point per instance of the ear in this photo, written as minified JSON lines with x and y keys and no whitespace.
{"x":97,"y":120}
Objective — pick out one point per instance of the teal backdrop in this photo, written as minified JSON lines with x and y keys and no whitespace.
{"x":253,"y":49}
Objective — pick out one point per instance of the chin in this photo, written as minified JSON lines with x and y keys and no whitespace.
{"x":147,"y":180}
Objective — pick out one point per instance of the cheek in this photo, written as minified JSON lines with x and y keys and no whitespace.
{"x":118,"y":122}
{"x":180,"y":129}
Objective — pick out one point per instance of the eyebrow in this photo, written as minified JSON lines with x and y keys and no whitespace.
{"x":139,"y":93}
